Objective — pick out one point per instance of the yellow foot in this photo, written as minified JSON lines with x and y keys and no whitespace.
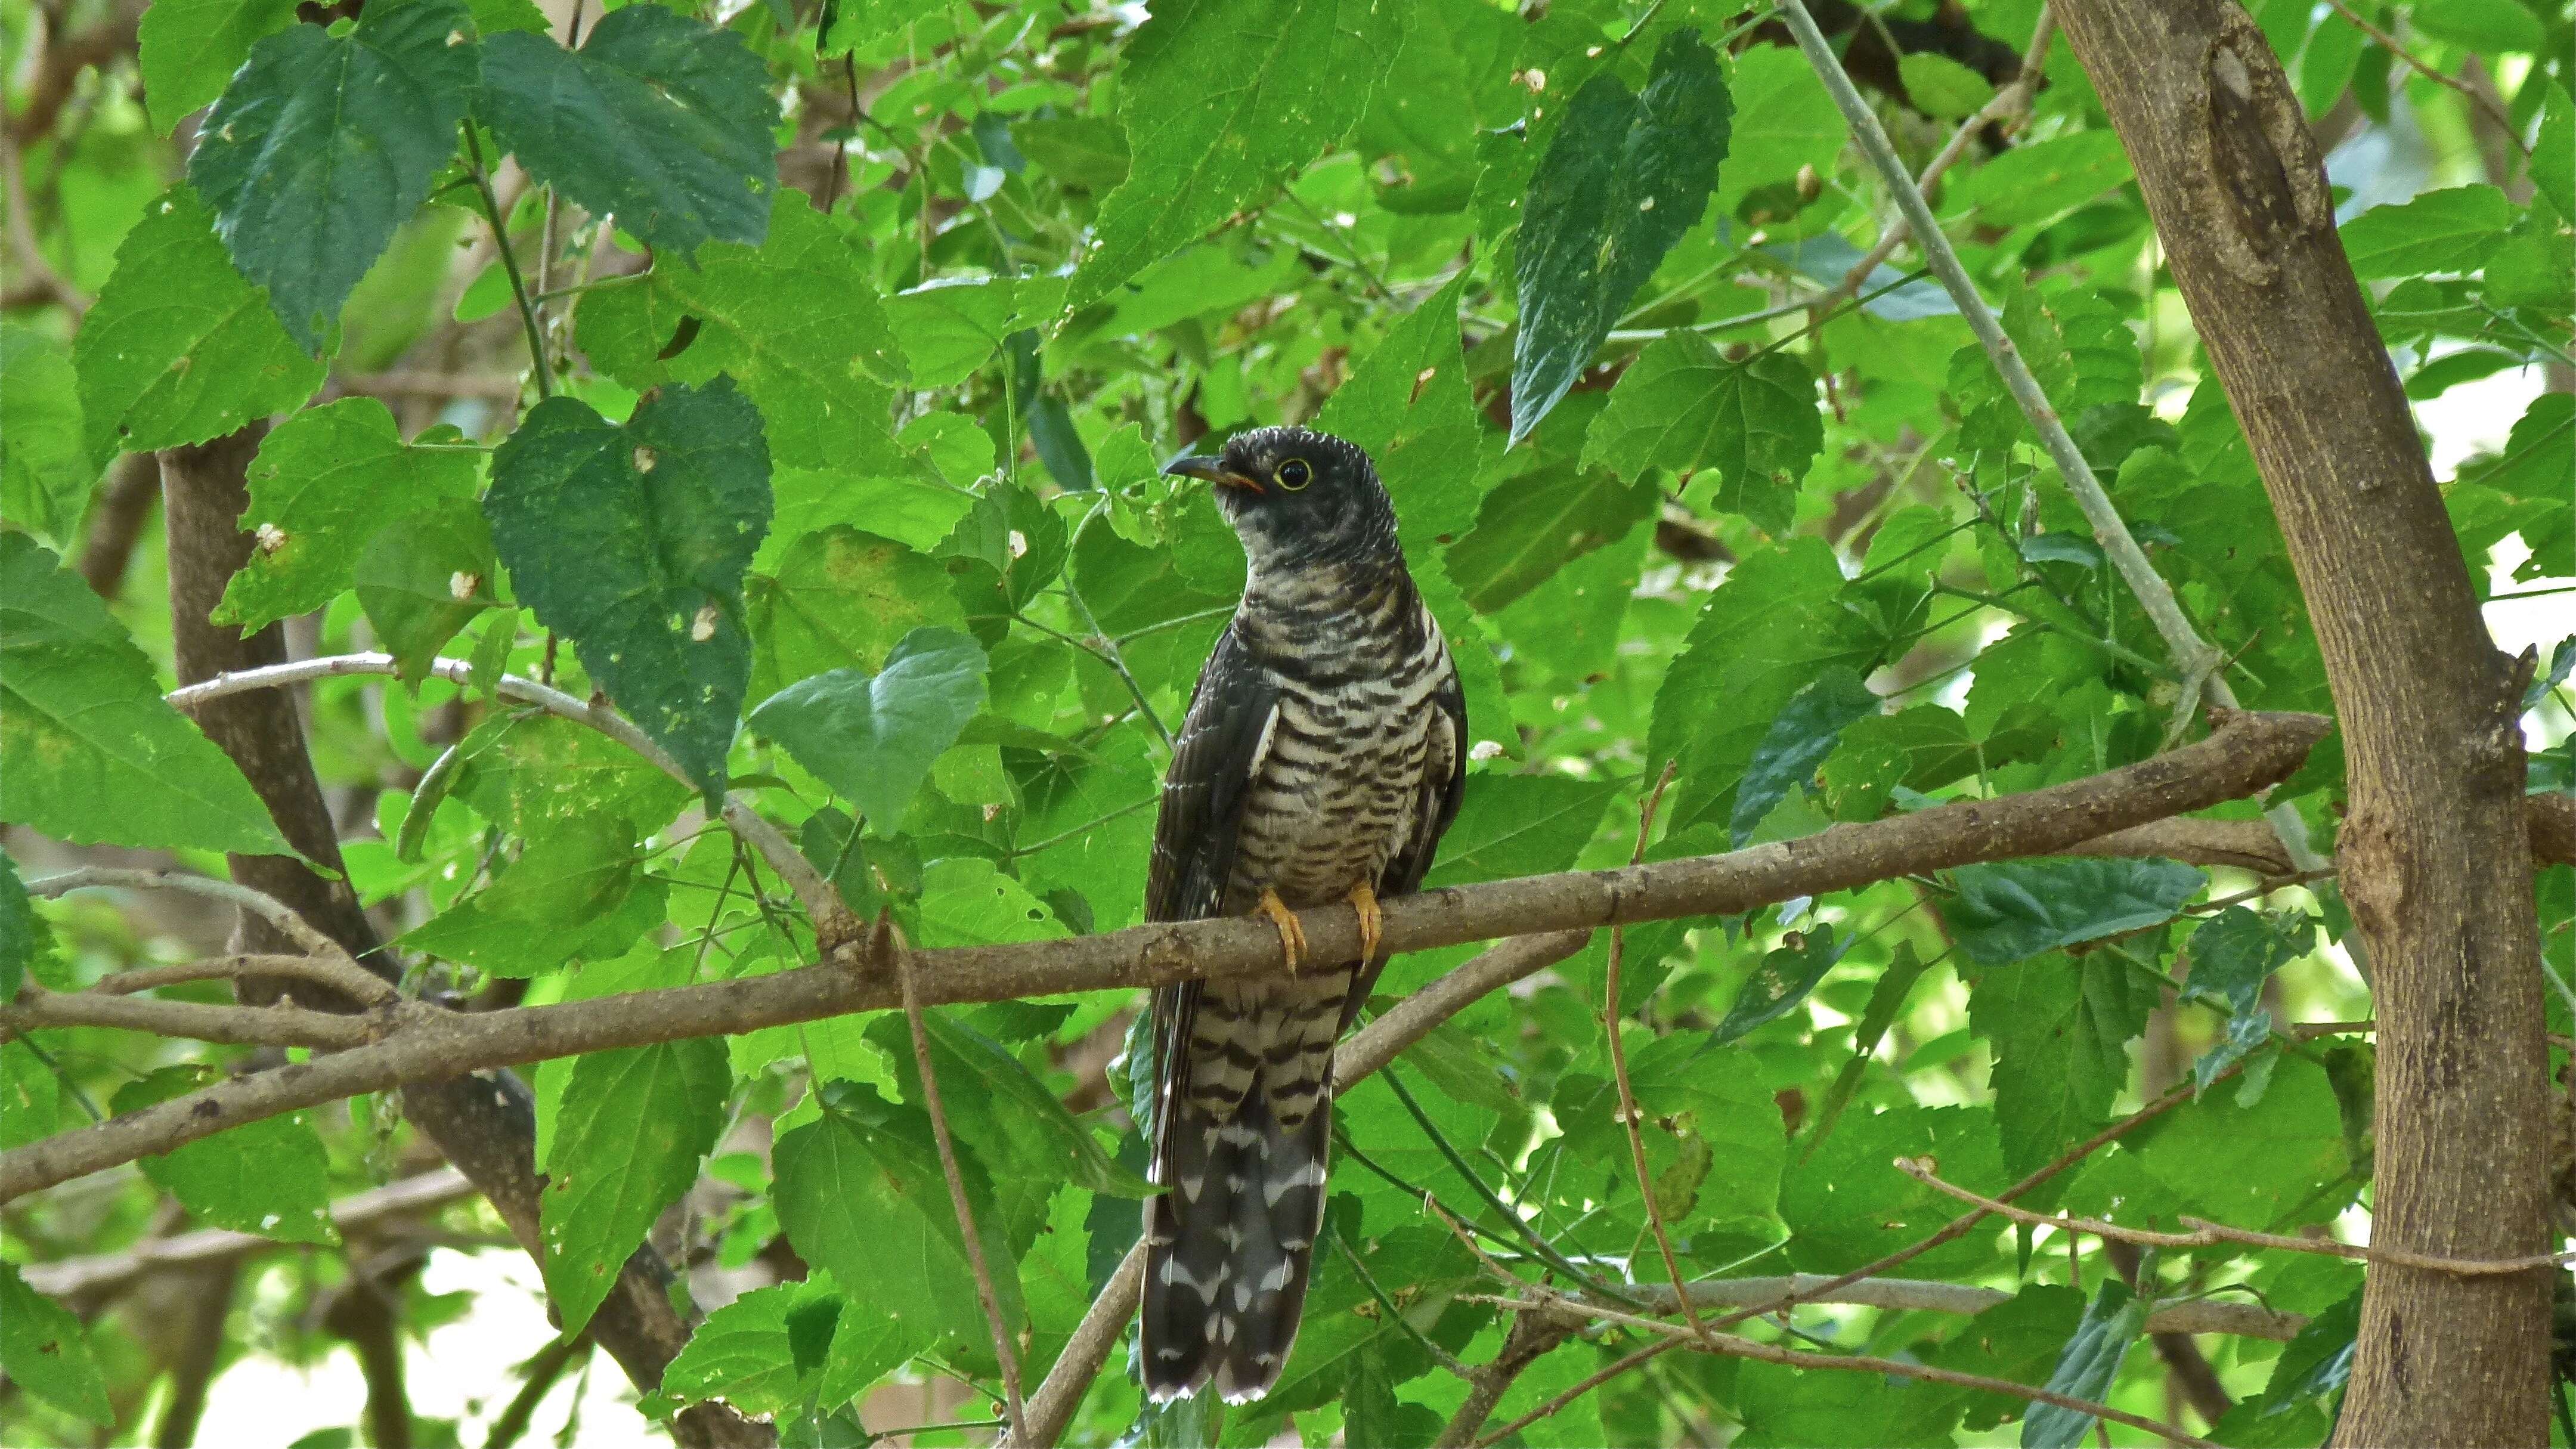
{"x":1292,"y":937}
{"x":1363,"y":899}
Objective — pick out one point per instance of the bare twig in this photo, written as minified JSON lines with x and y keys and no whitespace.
{"x":327,"y":964}
{"x":2199,"y":662}
{"x":2495,"y":113}
{"x":94,"y":1279}
{"x":1611,"y":1016}
{"x":2244,"y":754}
{"x":279,"y":1025}
{"x":1370,"y":1048}
{"x":1733,"y":1346}
{"x":1925,"y":1295}
{"x":1533,"y":1334}
{"x":538,"y":1376}
{"x":2206,"y":1234}
{"x":214,"y":968}
{"x":985,"y":1292}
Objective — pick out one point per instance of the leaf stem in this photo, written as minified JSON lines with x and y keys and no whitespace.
{"x":509,"y":262}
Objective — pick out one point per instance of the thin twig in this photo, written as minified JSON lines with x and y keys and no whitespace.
{"x":1611,"y":1016}
{"x":2197,"y":660}
{"x":328,"y":963}
{"x":1531,"y":1337}
{"x":985,"y":1292}
{"x":2206,"y":1234}
{"x":509,"y":262}
{"x":316,"y":969}
{"x":2503,"y":123}
{"x":1732,"y":1346}
{"x":280,"y":1025}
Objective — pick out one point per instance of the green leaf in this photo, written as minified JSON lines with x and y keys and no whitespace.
{"x":2111,"y":1325}
{"x":1516,"y":825}
{"x":1003,"y":1111}
{"x":1805,"y":731}
{"x":45,"y":467}
{"x":2318,"y":1362}
{"x":31,"y":1097}
{"x":180,"y":349}
{"x":1846,"y":1203}
{"x":1408,"y":406}
{"x":2060,"y":1028}
{"x":2035,"y":182}
{"x":1940,"y":86}
{"x":873,"y":739}
{"x":424,"y":579}
{"x":324,"y":143}
{"x":658,"y":119}
{"x":632,"y":541}
{"x":2553,"y":153}
{"x":2440,"y":231}
{"x":860,"y":1193}
{"x":627,"y":1140}
{"x":1624,"y":178}
{"x":526,"y":772}
{"x":842,"y":599}
{"x":747,"y":1352}
{"x":1223,"y":100}
{"x":1535,"y":523}
{"x":1767,"y":632}
{"x":2018,"y":1340}
{"x":42,"y":1351}
{"x":950,"y":327}
{"x":24,"y":935}
{"x":268,"y":1177}
{"x":2015,"y":909}
{"x":2479,"y":24}
{"x":91,"y":753}
{"x":327,"y":480}
{"x":795,"y":321}
{"x":1783,"y":121}
{"x":1681,"y":406}
{"x":2234,"y":952}
{"x":191,"y":47}
{"x":1780,"y":982}
{"x":966,"y":902}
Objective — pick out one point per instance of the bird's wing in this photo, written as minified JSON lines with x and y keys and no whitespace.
{"x":1220,"y":744}
{"x":1444,"y":780}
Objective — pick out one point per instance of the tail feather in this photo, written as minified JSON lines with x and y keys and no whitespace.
{"x":1245,"y":1133}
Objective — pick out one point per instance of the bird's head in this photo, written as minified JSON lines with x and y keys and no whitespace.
{"x":1297,"y":496}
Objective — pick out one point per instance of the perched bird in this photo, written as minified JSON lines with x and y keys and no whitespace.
{"x":1321,"y":759}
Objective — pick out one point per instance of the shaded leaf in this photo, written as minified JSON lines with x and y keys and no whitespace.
{"x":658,"y":119}
{"x":1779,"y":983}
{"x":1682,"y":407}
{"x":2111,"y":1325}
{"x":1624,"y":178}
{"x":324,"y":143}
{"x":189,"y":48}
{"x":2014,"y":909}
{"x":1805,"y":731}
{"x":1516,"y":825}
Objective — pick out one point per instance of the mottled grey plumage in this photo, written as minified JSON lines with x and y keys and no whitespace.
{"x":1323,"y":752}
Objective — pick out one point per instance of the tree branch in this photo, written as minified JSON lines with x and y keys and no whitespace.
{"x":1534,"y":1333}
{"x":1924,"y":1295}
{"x":2244,"y":754}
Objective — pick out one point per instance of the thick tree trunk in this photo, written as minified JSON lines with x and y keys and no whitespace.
{"x":486,"y":1126}
{"x":2433,"y":853}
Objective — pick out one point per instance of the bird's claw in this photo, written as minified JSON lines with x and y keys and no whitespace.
{"x":1363,"y":899}
{"x":1292,"y":936}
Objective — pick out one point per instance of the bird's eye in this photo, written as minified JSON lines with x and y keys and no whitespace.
{"x":1294,"y":474}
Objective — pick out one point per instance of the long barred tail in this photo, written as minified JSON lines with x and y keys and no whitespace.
{"x":1245,"y":1131}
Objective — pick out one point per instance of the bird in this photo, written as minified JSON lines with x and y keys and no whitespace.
{"x":1321,"y":759}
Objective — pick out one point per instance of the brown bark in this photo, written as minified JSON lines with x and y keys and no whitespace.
{"x":116,"y":524}
{"x":2434,"y":853}
{"x":485,"y":1125}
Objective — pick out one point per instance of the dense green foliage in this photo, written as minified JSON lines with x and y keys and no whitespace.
{"x":839,"y":475}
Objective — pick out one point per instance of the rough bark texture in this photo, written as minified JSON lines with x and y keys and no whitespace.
{"x":2434,"y":852}
{"x":485,"y":1125}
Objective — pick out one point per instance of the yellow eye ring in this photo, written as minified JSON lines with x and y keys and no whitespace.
{"x":1294,"y":474}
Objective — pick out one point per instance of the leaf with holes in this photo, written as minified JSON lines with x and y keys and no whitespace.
{"x":327,"y":480}
{"x":1624,"y":178}
{"x":633,"y":540}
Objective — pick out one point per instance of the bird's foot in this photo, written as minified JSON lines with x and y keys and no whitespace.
{"x":1363,"y":899}
{"x":1292,"y":937}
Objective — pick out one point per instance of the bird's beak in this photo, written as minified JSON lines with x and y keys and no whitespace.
{"x":1210,"y":470}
